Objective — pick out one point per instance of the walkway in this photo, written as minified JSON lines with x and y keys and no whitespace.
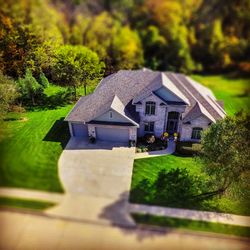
{"x":191,"y":214}
{"x":169,"y":150}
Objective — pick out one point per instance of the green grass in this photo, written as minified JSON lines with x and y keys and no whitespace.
{"x":148,"y":168}
{"x":233,"y":91}
{"x":24,"y":203}
{"x":32,"y":144}
{"x":192,"y":225}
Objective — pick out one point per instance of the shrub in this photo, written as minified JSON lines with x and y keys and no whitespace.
{"x":149,"y":138}
{"x":43,"y":80}
{"x":138,"y":150}
{"x":188,"y":148}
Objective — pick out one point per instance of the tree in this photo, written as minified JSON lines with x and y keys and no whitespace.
{"x":8,"y":93}
{"x":28,"y":87}
{"x":225,"y":153}
{"x":176,"y":186}
{"x":75,"y":65}
{"x":43,"y":80}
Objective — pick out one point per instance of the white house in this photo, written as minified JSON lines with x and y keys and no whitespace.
{"x":131,"y":103}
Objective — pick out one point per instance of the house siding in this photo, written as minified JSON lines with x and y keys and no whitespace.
{"x":115,"y":117}
{"x":186,"y":130}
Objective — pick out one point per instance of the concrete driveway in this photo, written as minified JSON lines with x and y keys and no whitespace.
{"x":103,"y":169}
{"x":96,"y":179}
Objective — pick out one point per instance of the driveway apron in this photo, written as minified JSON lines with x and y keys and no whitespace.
{"x":96,"y":179}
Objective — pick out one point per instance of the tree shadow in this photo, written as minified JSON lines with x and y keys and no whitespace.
{"x":59,"y":132}
{"x":118,"y":213}
{"x":59,"y":99}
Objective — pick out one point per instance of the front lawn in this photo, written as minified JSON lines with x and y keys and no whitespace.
{"x":148,"y":168}
{"x":192,"y":225}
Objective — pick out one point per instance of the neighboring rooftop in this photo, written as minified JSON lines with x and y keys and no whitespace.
{"x":119,"y":90}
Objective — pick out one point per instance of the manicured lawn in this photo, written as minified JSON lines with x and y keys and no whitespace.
{"x":192,"y":225}
{"x":148,"y":168}
{"x":233,"y":91}
{"x":24,"y":203}
{"x":32,"y":144}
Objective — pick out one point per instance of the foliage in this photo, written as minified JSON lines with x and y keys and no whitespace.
{"x":29,"y":88}
{"x":174,"y":187}
{"x":8,"y":94}
{"x":225,"y":152}
{"x":187,"y":148}
{"x":76,"y":65}
{"x":118,"y":46}
{"x":30,"y":31}
{"x":159,"y":34}
{"x":43,"y":80}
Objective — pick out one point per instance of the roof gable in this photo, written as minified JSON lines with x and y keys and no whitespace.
{"x":196,"y":112}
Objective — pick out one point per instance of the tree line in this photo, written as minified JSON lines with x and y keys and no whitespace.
{"x":77,"y":42}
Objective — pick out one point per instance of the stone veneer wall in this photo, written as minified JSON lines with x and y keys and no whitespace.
{"x":160,"y":117}
{"x":186,"y":130}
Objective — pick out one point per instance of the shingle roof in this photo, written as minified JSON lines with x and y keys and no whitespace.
{"x":118,"y":90}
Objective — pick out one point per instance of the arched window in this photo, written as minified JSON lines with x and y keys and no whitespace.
{"x":196,"y":133}
{"x":150,"y":108}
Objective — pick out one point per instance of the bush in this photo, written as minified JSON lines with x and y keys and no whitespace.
{"x":149,"y":138}
{"x":43,"y":80}
{"x":188,"y":148}
{"x":138,"y":150}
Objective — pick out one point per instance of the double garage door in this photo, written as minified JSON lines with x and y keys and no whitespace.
{"x":112,"y":134}
{"x":102,"y":133}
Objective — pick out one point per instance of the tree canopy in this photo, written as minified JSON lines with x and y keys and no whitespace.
{"x":225,"y":152}
{"x":183,"y":36}
{"x":76,"y":65}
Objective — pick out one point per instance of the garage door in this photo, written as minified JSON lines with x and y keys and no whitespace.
{"x":80,"y":130}
{"x":112,"y":134}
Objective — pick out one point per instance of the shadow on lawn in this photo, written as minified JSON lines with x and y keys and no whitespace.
{"x":57,"y":100}
{"x":59,"y":132}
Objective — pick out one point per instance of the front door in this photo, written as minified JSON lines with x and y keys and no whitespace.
{"x":172,"y":123}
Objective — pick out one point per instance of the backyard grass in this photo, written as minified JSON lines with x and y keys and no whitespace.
{"x":24,"y":203}
{"x":148,"y":168}
{"x":32,"y":144}
{"x":235,"y":92}
{"x":192,"y":225}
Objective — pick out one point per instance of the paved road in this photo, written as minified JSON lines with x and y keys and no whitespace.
{"x":24,"y":232}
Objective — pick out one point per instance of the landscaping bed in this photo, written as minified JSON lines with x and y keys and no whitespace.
{"x":144,"y":145}
{"x":187,"y":148}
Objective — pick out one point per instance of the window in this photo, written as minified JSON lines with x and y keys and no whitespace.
{"x":196,"y":133}
{"x":173,"y":115}
{"x":149,"y":126}
{"x":110,"y":114}
{"x":150,"y":108}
